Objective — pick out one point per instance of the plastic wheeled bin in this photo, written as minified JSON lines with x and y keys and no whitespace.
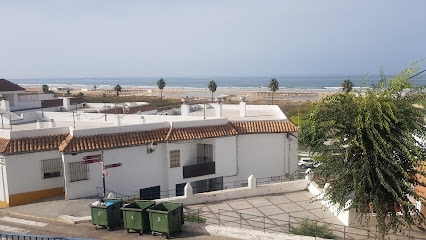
{"x":166,"y":218}
{"x":136,"y":217}
{"x":106,"y":213}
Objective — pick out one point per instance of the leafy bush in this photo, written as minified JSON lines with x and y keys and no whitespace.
{"x":190,"y":217}
{"x":313,"y":229}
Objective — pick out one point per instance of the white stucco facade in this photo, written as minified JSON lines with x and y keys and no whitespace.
{"x":212,"y":153}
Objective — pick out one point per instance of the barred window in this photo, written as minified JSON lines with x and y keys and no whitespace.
{"x":174,"y":158}
{"x":78,"y":171}
{"x":51,"y":168}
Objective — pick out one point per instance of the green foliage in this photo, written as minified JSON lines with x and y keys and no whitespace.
{"x":212,"y":87}
{"x":190,"y":217}
{"x":313,"y":229}
{"x":370,"y":146}
{"x":117,"y":89}
{"x":80,"y":95}
{"x":161,"y":84}
{"x":273,"y":86}
{"x":347,"y":86}
{"x":45,"y":88}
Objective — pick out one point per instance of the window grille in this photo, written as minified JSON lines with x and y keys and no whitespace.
{"x":78,"y":171}
{"x":51,"y":168}
{"x":174,"y":158}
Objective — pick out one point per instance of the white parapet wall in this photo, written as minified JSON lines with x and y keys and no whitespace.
{"x":251,"y":191}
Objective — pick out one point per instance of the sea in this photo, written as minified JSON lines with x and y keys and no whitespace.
{"x":249,"y":82}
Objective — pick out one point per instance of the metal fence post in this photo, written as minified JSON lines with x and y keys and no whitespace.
{"x":218,"y":213}
{"x":289,"y":224}
{"x":344,"y":232}
{"x":264,"y":223}
{"x":198,"y":216}
{"x":240,"y":222}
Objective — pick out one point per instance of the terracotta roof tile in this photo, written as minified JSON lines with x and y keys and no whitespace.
{"x":109,"y":141}
{"x":264,"y":127}
{"x":7,"y":86}
{"x":69,"y":143}
{"x":30,"y":144}
{"x":178,"y":134}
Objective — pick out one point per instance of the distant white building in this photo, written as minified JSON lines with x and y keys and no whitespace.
{"x":212,"y":146}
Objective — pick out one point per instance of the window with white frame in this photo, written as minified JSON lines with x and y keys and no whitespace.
{"x":51,"y":168}
{"x":78,"y":171}
{"x":174,"y":158}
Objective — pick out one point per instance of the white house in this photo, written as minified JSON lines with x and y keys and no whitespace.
{"x":211,"y":146}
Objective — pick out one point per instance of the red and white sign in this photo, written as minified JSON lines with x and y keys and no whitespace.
{"x":92,"y":158}
{"x":112,"y":165}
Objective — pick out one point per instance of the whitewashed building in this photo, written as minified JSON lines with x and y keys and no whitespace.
{"x":212,"y":146}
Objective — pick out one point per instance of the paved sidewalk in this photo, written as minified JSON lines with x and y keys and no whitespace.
{"x":273,"y":212}
{"x":258,"y":212}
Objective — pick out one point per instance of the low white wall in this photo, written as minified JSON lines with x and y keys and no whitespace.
{"x":237,"y":193}
{"x":347,"y":217}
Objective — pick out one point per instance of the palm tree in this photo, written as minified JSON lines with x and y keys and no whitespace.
{"x":273,"y":86}
{"x":117,"y":89}
{"x":347,"y":85}
{"x":212,"y":87}
{"x":161,"y":84}
{"x":45,"y":88}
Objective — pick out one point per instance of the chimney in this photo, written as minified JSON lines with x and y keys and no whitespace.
{"x":66,"y":103}
{"x":117,"y":121}
{"x":185,"y":108}
{"x":218,"y":107}
{"x":243,"y":108}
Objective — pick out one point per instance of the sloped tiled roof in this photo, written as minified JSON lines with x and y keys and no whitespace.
{"x":30,"y":144}
{"x":178,"y":134}
{"x":264,"y":127}
{"x":114,"y":140}
{"x":69,"y":143}
{"x":7,"y":86}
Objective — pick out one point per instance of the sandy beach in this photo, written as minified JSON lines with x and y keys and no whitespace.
{"x":231,"y":93}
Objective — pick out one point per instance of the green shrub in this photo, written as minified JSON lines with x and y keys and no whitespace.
{"x":190,"y":217}
{"x":313,"y":229}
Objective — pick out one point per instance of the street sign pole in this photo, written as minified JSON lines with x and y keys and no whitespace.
{"x":103,"y":173}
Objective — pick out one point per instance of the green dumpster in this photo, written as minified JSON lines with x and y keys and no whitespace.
{"x":136,"y":217}
{"x":166,"y":218}
{"x":106,"y":213}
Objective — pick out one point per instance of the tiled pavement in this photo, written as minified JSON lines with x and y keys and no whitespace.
{"x":272,"y":212}
{"x":279,"y":213}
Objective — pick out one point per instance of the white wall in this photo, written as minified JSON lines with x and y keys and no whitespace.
{"x":238,"y":193}
{"x":4,"y":196}
{"x":261,"y":155}
{"x":25,"y":172}
{"x":139,"y":170}
{"x":224,"y":156}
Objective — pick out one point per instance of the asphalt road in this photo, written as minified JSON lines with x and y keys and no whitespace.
{"x":27,"y":225}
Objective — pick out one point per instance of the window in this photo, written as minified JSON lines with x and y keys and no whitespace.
{"x":78,"y":171}
{"x":204,"y":153}
{"x":51,"y":168}
{"x":174,"y":158}
{"x":150,"y":193}
{"x":180,"y":189}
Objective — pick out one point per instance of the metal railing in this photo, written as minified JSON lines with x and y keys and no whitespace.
{"x":288,"y":226}
{"x":200,"y":169}
{"x":6,"y":236}
{"x":217,"y":186}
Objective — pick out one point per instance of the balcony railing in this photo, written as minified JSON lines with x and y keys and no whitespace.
{"x":199,"y":169}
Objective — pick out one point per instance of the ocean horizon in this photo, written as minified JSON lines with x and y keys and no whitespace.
{"x":291,"y":82}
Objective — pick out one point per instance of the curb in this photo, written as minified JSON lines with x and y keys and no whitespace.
{"x":73,"y":220}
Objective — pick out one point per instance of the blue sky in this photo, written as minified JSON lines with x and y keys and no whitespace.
{"x":129,"y":38}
